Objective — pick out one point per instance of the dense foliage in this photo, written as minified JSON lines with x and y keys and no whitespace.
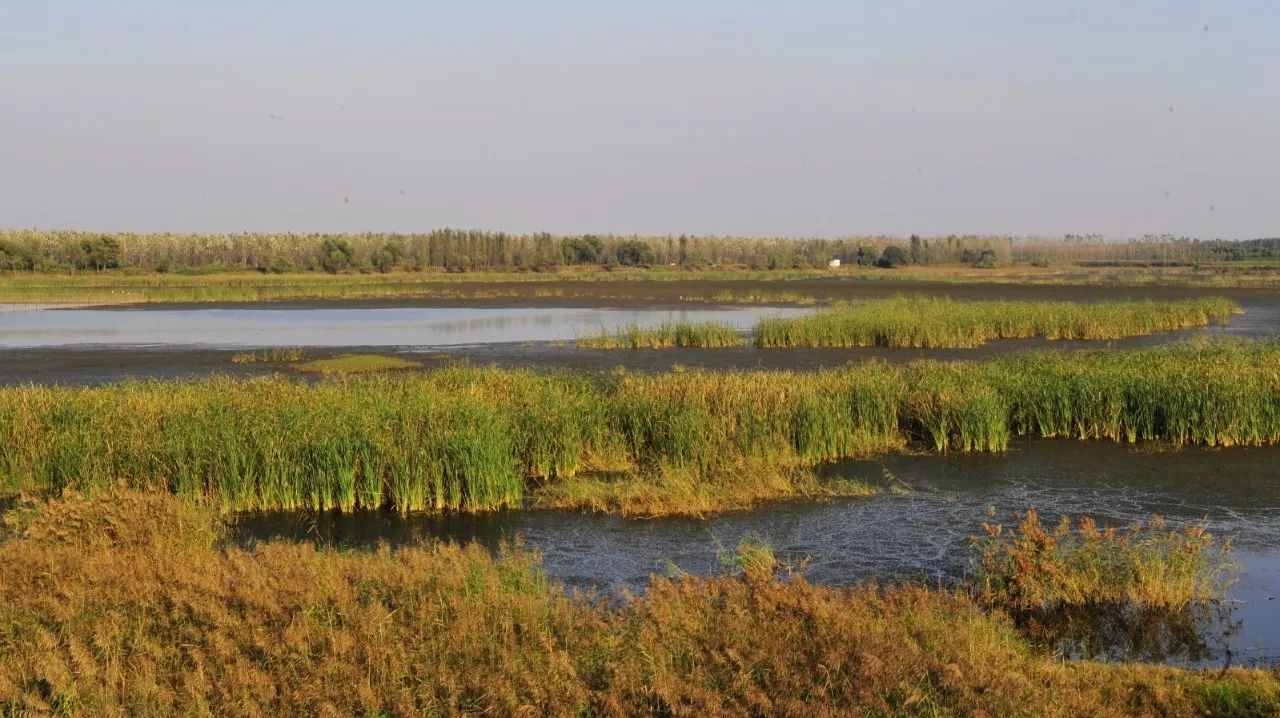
{"x":474,"y":250}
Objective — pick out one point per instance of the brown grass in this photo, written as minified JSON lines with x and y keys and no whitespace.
{"x":1147,"y":565}
{"x":126,"y":604}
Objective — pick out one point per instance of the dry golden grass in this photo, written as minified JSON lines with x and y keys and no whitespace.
{"x":1148,"y":565}
{"x":126,"y":604}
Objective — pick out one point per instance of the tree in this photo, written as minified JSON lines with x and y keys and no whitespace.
{"x":917,"y":249}
{"x":336,"y":255}
{"x":865,"y":255}
{"x":894,"y":256}
{"x":388,"y":257}
{"x":635,"y":253}
{"x":101,"y":253}
{"x":581,"y":250}
{"x":14,"y":257}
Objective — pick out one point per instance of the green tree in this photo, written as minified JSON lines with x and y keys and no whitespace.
{"x":336,"y":255}
{"x":388,"y":257}
{"x":894,"y":256}
{"x":635,"y":253}
{"x":581,"y":250}
{"x":101,"y":253}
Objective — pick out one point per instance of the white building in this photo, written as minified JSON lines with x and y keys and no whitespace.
{"x":835,"y":263}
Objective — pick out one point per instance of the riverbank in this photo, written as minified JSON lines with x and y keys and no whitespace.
{"x":131,"y":604}
{"x":595,"y":286}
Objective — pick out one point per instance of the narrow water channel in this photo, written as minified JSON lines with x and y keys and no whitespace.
{"x":919,"y":534}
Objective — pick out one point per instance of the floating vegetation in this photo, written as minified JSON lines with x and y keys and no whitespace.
{"x":665,"y":336}
{"x":461,"y":438}
{"x":357,"y":364}
{"x":274,"y":355}
{"x":927,"y":322}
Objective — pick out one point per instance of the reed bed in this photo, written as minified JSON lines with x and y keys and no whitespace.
{"x":130,"y":604}
{"x":705,"y":335}
{"x":928,"y":322}
{"x":469,"y":439}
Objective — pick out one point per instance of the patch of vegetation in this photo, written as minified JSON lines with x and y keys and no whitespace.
{"x":685,"y":491}
{"x":357,"y":364}
{"x":273,"y":355}
{"x":946,"y":323}
{"x":1149,"y":566}
{"x":468,"y":439}
{"x":127,"y":604}
{"x":666,"y":335}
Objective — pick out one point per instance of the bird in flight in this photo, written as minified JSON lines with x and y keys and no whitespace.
{"x":274,"y":116}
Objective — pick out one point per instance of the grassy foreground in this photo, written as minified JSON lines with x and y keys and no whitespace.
{"x":478,"y":439}
{"x":128,"y":604}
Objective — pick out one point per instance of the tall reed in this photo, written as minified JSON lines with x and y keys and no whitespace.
{"x":474,"y":439}
{"x":666,"y":335}
{"x":929,"y":322}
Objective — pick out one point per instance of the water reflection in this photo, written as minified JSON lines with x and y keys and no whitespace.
{"x":378,"y":326}
{"x":1196,"y":635}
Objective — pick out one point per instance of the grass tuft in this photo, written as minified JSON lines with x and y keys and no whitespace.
{"x":1147,"y":566}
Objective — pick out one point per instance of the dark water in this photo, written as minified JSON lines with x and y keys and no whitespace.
{"x":919,"y":534}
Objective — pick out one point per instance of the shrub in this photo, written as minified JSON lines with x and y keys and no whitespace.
{"x":635,"y":253}
{"x":894,"y":256}
{"x":336,"y":255}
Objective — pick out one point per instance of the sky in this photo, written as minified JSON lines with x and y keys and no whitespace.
{"x":725,"y":118}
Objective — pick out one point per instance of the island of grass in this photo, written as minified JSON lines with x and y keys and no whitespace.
{"x":134,"y":604}
{"x":356,"y":364}
{"x":464,"y":439}
{"x":933,"y":323}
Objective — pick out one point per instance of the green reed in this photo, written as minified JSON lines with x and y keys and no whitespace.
{"x":468,"y":439}
{"x":941,"y":322}
{"x":665,"y":336}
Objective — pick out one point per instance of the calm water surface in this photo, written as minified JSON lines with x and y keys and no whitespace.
{"x":378,"y":326}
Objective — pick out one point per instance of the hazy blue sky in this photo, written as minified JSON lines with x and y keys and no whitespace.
{"x":784,"y":118}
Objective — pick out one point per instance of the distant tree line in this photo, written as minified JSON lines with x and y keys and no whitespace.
{"x":456,"y":250}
